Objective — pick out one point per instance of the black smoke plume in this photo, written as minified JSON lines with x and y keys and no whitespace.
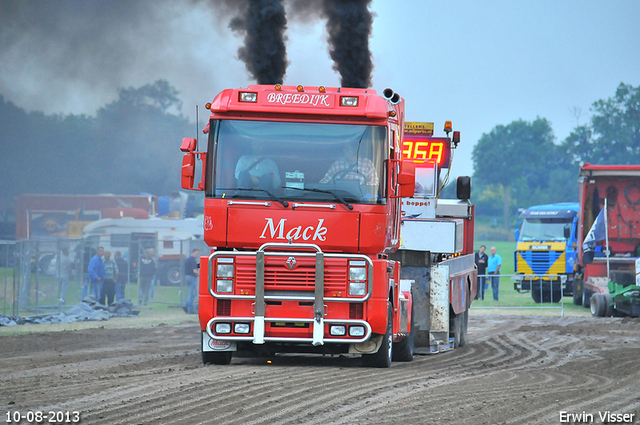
{"x":263,"y":22}
{"x":349,"y":25}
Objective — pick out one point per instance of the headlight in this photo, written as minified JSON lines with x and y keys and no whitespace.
{"x":225,"y":270}
{"x":241,"y":328}
{"x":357,"y":273}
{"x":224,"y":286}
{"x":223,"y":328}
{"x":357,"y":288}
{"x":338,"y":330}
{"x":248,"y":97}
{"x":356,"y":331}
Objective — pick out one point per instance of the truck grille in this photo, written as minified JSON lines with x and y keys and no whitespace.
{"x":277,"y":276}
{"x":541,"y":262}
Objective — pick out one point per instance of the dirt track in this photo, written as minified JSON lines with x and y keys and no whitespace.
{"x":521,"y":370}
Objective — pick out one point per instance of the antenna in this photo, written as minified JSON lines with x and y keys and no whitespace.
{"x":197,"y":129}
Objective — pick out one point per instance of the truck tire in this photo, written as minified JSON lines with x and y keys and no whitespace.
{"x":556,"y":295}
{"x":586,"y":298}
{"x":597,"y":304}
{"x":455,"y":328}
{"x":403,"y":350}
{"x":170,"y":273}
{"x":608,"y":300}
{"x":536,"y":296}
{"x":463,"y":332}
{"x":212,"y":357}
{"x":384,"y":356}
{"x":577,"y":293}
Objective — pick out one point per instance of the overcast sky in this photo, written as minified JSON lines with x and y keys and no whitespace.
{"x":476,"y":63}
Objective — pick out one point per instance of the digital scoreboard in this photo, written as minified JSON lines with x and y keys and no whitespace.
{"x":422,"y":148}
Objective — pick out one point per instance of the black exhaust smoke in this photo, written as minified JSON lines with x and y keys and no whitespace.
{"x":349,"y":25}
{"x":264,"y":53}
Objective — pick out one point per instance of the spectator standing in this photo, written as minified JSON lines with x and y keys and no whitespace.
{"x":123,"y":274}
{"x":147,"y":270}
{"x":87,"y":255}
{"x":110,"y":276}
{"x":154,"y":280}
{"x":96,"y":273}
{"x":191,"y":273}
{"x":481,"y":262}
{"x":64,"y":274}
{"x":494,"y":264}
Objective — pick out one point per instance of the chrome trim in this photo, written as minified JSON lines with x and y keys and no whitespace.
{"x":295,"y":205}
{"x":263,"y":204}
{"x":347,"y":322}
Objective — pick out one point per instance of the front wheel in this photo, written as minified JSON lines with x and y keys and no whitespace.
{"x":384,"y":355}
{"x":170,"y":273}
{"x":215,"y":357}
{"x":598,"y":307}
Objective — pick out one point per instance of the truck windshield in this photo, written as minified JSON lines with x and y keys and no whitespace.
{"x":297,"y":161}
{"x":543,"y":229}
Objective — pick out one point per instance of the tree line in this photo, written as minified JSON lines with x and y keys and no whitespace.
{"x":130,"y":146}
{"x":521,"y":164}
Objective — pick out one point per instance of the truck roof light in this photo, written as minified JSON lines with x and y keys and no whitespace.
{"x":248,"y":96}
{"x":392,"y":113}
{"x":349,"y":101}
{"x":448,"y":127}
{"x":321,"y":89}
{"x":277,"y":87}
{"x":300,"y":88}
{"x":208,"y":105}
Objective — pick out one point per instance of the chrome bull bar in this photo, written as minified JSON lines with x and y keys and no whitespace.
{"x":347,"y":322}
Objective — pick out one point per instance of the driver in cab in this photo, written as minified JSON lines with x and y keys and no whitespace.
{"x":350,"y":167}
{"x":256,"y":170}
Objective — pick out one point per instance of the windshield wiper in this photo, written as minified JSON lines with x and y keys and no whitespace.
{"x":335,"y":195}
{"x":271,"y":195}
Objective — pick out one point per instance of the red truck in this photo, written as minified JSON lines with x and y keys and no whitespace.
{"x":609,"y":233}
{"x":303,"y":200}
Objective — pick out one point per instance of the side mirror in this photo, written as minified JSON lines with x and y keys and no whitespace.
{"x":463,"y":188}
{"x":567,"y":231}
{"x":407,"y":179}
{"x":188,"y":170}
{"x":188,"y":144}
{"x":516,"y":233}
{"x":189,"y":164}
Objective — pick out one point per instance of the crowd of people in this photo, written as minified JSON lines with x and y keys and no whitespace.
{"x":105,"y":276}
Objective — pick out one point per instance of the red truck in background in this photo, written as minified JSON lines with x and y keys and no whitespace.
{"x":609,"y":233}
{"x":303,"y":202}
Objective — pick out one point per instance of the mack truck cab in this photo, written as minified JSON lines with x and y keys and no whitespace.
{"x":303,"y":189}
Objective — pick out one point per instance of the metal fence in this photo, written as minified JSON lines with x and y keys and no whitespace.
{"x":506,"y":291}
{"x":33,"y":281}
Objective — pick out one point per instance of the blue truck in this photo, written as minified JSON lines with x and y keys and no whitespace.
{"x":545,"y":255}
